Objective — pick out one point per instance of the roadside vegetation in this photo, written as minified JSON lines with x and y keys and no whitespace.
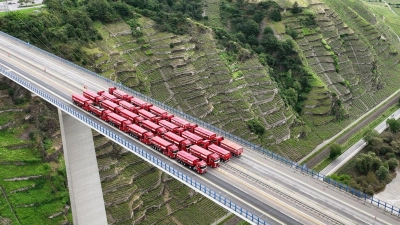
{"x":375,"y":165}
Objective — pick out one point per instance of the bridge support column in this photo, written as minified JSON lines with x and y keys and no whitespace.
{"x":84,"y":185}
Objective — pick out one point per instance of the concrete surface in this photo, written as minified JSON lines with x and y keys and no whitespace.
{"x":84,"y":185}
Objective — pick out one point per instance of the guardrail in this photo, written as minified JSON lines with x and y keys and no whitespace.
{"x":213,"y":195}
{"x":390,"y":208}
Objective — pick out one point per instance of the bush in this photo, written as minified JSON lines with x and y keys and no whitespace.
{"x":255,"y":126}
{"x":336,"y":150}
{"x":392,"y":163}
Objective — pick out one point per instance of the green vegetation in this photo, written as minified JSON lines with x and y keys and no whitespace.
{"x":335,"y":150}
{"x":34,"y":185}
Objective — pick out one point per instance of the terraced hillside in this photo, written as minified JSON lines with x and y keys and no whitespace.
{"x":135,"y":192}
{"x":33,"y":186}
{"x":190,"y":73}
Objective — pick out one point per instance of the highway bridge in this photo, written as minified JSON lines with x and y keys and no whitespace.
{"x":260,"y":187}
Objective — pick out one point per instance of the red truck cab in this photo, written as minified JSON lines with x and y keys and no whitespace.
{"x":139,"y":133}
{"x":164,"y":146}
{"x":196,"y":139}
{"x":156,"y":129}
{"x":96,"y":110}
{"x":210,"y":158}
{"x":224,"y":155}
{"x":81,"y":101}
{"x":234,"y":148}
{"x":181,"y":142}
{"x":192,"y":162}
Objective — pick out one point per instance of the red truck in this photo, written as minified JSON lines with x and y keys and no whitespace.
{"x":192,"y":161}
{"x":149,"y":116}
{"x":183,"y":123}
{"x":156,"y":129}
{"x":164,"y":146}
{"x":171,"y":127}
{"x":140,"y":103}
{"x":181,"y":142}
{"x":96,"y":110}
{"x":158,"y":112}
{"x":234,"y":148}
{"x":97,"y":99}
{"x":119,"y":94}
{"x":118,"y":121}
{"x":140,"y":133}
{"x":107,"y":104}
{"x":206,"y":134}
{"x":210,"y":158}
{"x":195,"y":139}
{"x":224,"y":155}
{"x":108,"y":96}
{"x":81,"y":101}
{"x":129,"y":106}
{"x":134,"y":118}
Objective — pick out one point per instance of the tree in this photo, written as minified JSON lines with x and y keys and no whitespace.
{"x":367,"y":162}
{"x":369,"y":135}
{"x":393,"y":124}
{"x":392,"y":163}
{"x":382,"y":173}
{"x":275,"y":15}
{"x":295,"y":8}
{"x":336,"y":150}
{"x":255,"y":126}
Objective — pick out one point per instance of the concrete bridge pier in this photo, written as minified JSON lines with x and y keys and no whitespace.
{"x":84,"y":184}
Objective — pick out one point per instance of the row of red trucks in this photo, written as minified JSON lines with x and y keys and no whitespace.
{"x":190,"y":144}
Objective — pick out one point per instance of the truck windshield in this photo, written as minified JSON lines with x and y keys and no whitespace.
{"x":216,"y":161}
{"x":203,"y":167}
{"x":175,"y":151}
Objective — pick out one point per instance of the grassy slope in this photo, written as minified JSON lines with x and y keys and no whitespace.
{"x":34,"y":200}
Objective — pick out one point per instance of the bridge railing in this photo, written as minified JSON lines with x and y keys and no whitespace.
{"x":370,"y":199}
{"x":208,"y":192}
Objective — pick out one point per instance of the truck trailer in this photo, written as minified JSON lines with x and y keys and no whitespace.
{"x":224,"y":155}
{"x":182,"y":123}
{"x":210,"y":158}
{"x":234,"y":148}
{"x":195,"y":139}
{"x":97,"y":99}
{"x":171,"y":127}
{"x":209,"y":135}
{"x":191,"y":161}
{"x":181,"y":142}
{"x":81,"y":101}
{"x":164,"y":146}
{"x":133,"y":117}
{"x":156,"y":129}
{"x":129,"y":106}
{"x":149,"y":116}
{"x":119,"y":94}
{"x":118,"y":121}
{"x":108,"y":96}
{"x":158,"y":112}
{"x":107,"y":104}
{"x":140,"y":103}
{"x":139,"y":133}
